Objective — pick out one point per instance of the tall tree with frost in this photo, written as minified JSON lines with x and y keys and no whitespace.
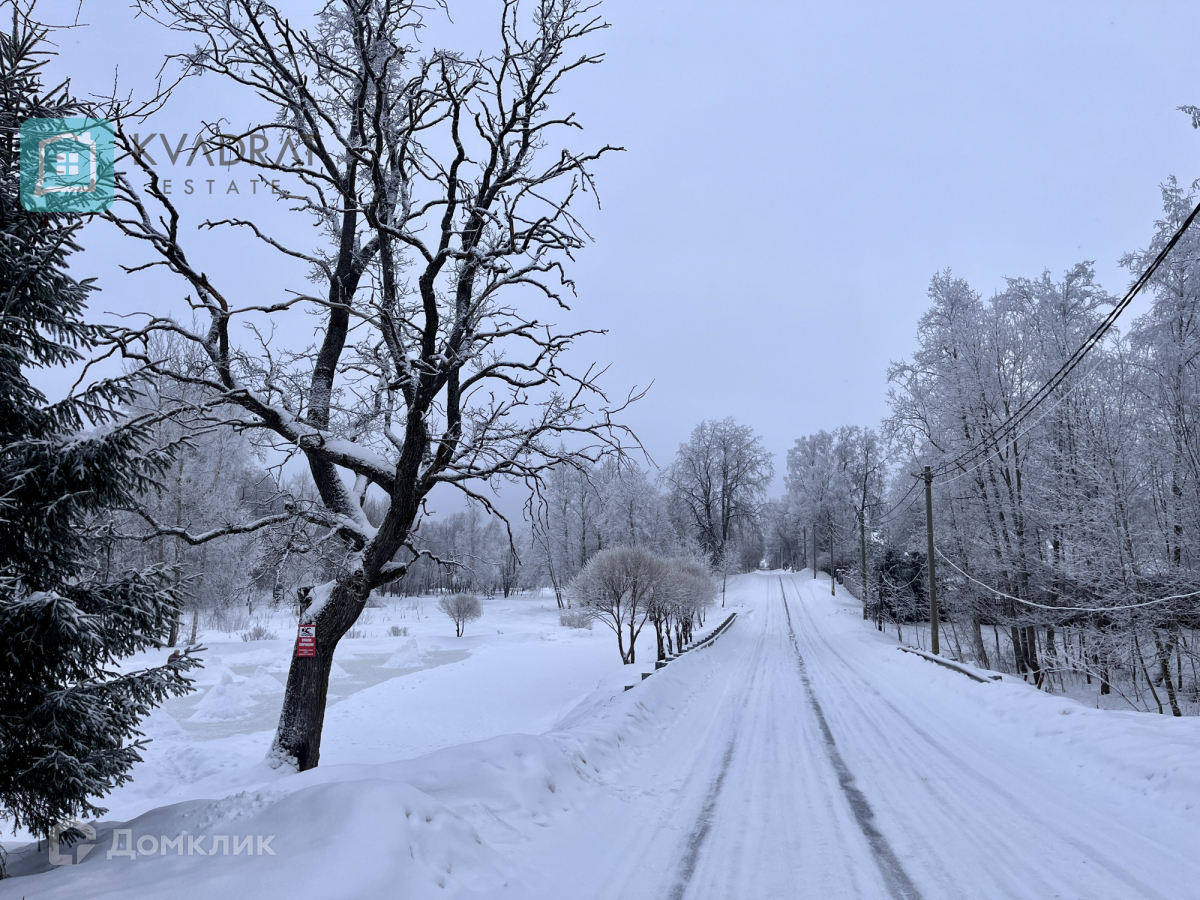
{"x":814,"y":485}
{"x":440,"y":199}
{"x":717,"y":484}
{"x":68,"y":719}
{"x":566,"y":524}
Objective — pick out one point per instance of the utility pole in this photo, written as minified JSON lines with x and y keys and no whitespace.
{"x":933,"y":606}
{"x":814,"y":550}
{"x":862,"y":537}
{"x":879,"y":600}
{"x":804,"y":544}
{"x":832,"y":570}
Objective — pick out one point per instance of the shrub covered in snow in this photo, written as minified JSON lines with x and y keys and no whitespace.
{"x":462,"y":608}
{"x":625,"y":587}
{"x":617,"y":586}
{"x":576,"y":618}
{"x":259,"y":632}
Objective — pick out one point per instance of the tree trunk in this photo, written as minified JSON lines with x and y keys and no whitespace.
{"x":1179,"y":657}
{"x":1164,"y":662}
{"x":862,"y":537}
{"x":1051,"y":657}
{"x":1018,"y":651}
{"x":977,"y":640}
{"x":1149,"y":681}
{"x":1032,"y":657}
{"x":298,"y":736}
{"x":173,"y":637}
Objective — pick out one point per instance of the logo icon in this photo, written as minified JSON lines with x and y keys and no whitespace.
{"x":66,"y":165}
{"x":76,"y":827}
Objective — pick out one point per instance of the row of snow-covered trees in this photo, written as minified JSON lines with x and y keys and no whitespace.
{"x":616,"y":545}
{"x":1069,"y":548}
{"x":628,"y":587}
{"x":834,"y":482}
{"x":706,"y":506}
{"x":607,"y":539}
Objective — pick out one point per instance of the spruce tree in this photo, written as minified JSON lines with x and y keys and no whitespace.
{"x":68,"y":717}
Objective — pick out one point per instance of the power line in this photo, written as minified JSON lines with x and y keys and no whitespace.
{"x":978,"y":464}
{"x":1040,"y":395}
{"x":886,"y":517}
{"x":946,"y":559}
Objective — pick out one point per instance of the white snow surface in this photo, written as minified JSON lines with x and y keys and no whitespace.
{"x":800,"y":755}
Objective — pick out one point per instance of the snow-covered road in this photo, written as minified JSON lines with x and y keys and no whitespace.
{"x":800,"y":755}
{"x":818,"y":762}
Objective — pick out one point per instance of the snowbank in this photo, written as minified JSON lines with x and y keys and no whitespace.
{"x":459,"y":821}
{"x":428,"y":827}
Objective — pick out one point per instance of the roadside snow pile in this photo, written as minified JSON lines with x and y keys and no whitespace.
{"x":370,"y":837}
{"x":1139,"y":752}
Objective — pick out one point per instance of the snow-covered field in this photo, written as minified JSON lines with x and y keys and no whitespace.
{"x":799,"y":755}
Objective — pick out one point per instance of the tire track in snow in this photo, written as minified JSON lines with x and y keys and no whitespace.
{"x":995,"y":791}
{"x":704,"y":823}
{"x":705,"y":819}
{"x":898,"y":883}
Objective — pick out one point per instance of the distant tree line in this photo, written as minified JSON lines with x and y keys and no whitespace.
{"x":704,"y":510}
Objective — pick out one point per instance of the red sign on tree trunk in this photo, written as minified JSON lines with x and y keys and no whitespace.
{"x":306,"y":642}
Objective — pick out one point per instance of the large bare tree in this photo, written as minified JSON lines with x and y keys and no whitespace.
{"x":717,"y":483}
{"x":443,"y":186}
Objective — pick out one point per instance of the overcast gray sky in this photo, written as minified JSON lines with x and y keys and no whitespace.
{"x":796,"y":172}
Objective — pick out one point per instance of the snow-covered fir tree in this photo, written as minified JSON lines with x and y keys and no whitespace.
{"x":68,"y":717}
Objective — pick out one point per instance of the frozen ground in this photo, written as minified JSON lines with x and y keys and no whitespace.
{"x":799,"y":756}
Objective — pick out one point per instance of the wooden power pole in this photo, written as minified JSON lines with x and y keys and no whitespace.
{"x":862,"y":538}
{"x":832,"y":570}
{"x":933,"y":606}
